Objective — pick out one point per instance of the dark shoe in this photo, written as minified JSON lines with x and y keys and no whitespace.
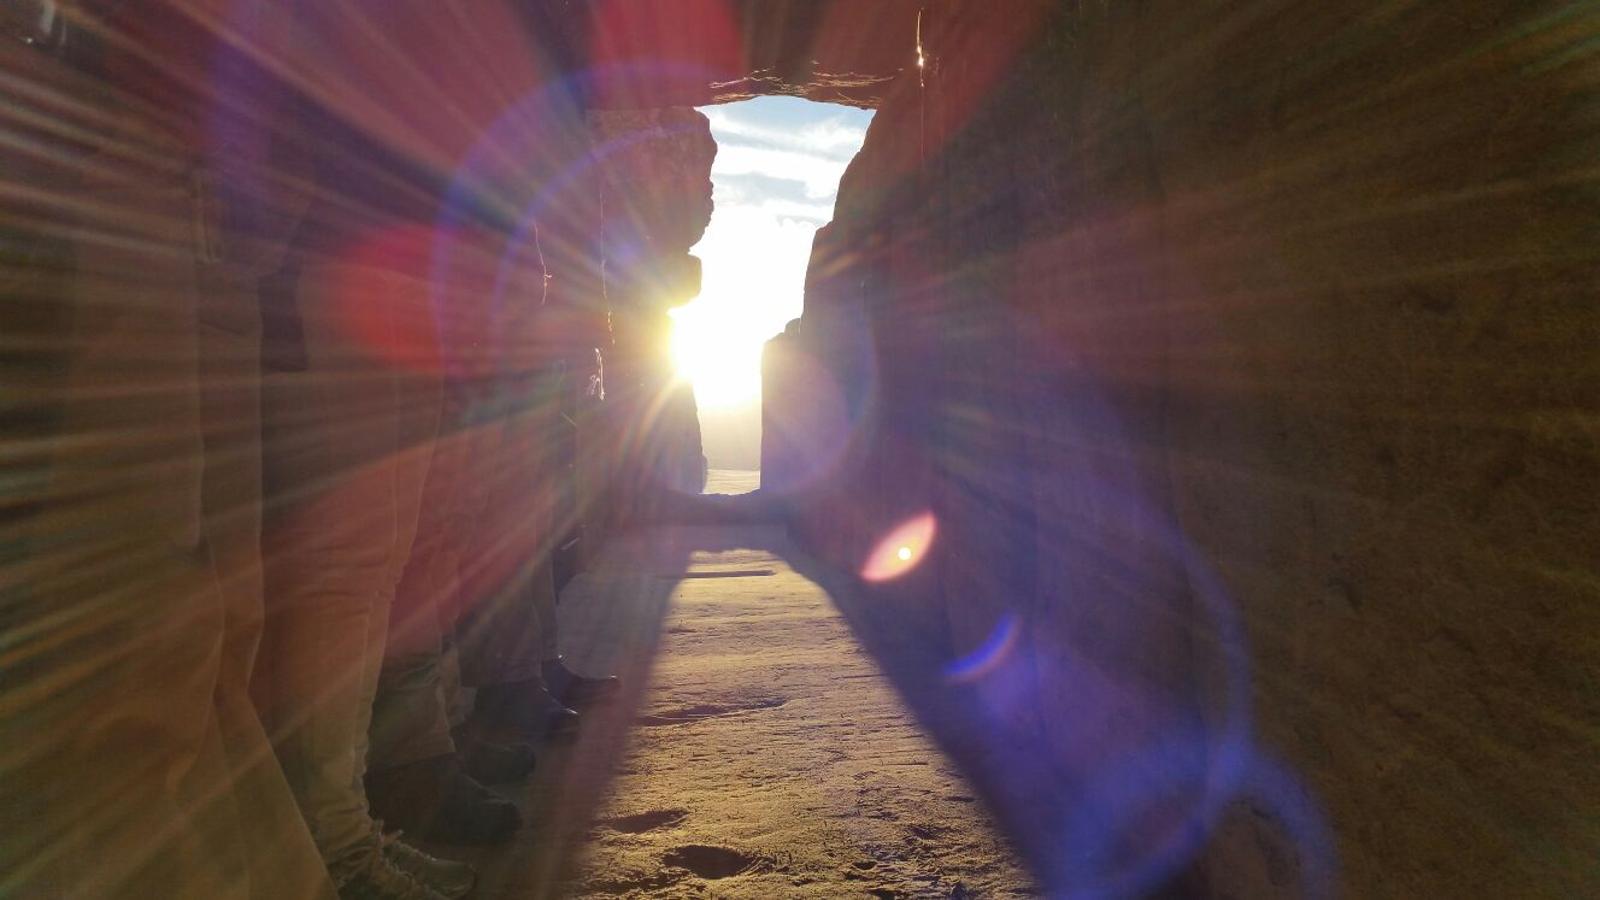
{"x":572,"y":688}
{"x":376,"y":878}
{"x":494,"y":762}
{"x":523,"y":710}
{"x":561,"y":722}
{"x":435,"y":800}
{"x":449,"y":878}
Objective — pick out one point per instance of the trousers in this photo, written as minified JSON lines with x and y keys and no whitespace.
{"x":281,"y":857}
{"x":135,"y":763}
{"x":507,"y":626}
{"x":410,"y":718}
{"x":479,"y":579}
{"x":348,"y":444}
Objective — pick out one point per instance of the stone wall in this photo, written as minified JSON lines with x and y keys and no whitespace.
{"x":655,"y":188}
{"x":1245,"y":356}
{"x":648,"y":54}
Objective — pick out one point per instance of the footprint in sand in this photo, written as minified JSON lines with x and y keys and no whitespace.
{"x":711,"y":862}
{"x":639,"y":823}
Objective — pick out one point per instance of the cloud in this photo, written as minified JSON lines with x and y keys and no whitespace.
{"x":819,"y":174}
{"x":784,"y":197}
{"x":813,"y":153}
{"x":771,"y":197}
{"x":832,"y":138}
{"x":812,"y":213}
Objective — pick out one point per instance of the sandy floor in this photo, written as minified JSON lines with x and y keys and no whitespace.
{"x":759,"y":752}
{"x":732,"y":481}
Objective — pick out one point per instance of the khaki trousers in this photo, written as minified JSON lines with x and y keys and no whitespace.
{"x":410,"y":718}
{"x":135,"y":764}
{"x":480,"y":575}
{"x":348,"y":447}
{"x":112,"y":657}
{"x":282,"y":860}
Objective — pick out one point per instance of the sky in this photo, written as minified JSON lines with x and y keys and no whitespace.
{"x":776,"y":175}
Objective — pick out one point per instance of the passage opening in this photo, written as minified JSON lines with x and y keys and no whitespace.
{"x":775,"y":179}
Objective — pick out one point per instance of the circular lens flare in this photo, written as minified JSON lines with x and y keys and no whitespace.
{"x":902,"y":550}
{"x":989,"y":657}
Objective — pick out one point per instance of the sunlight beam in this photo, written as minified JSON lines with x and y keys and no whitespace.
{"x":776,"y":175}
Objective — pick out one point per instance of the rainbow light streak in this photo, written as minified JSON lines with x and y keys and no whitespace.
{"x":988,"y":657}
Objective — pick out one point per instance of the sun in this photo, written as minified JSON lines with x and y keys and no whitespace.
{"x":777,"y":170}
{"x":754,"y":264}
{"x":718,"y":354}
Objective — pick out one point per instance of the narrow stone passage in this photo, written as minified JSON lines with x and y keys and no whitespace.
{"x":771,"y":758}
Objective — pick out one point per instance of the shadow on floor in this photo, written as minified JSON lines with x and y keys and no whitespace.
{"x":612,"y":618}
{"x":611,"y":622}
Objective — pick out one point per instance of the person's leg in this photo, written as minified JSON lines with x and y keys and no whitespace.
{"x":562,"y":683}
{"x":283,"y":861}
{"x":415,"y":781}
{"x":506,"y":539}
{"x":507,"y":628}
{"x":500,"y":634}
{"x":339,"y":484}
{"x":349,"y":444}
{"x":114,"y":645}
{"x":412,"y":718}
{"x":409,"y":720}
{"x":501,"y":637}
{"x":327,"y":555}
{"x":509,"y":634}
{"x":419,"y":400}
{"x":417,"y":403}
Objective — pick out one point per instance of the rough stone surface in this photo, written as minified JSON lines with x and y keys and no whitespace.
{"x":659,"y":53}
{"x":658,"y":163}
{"x":655,"y":179}
{"x":1254,"y":372}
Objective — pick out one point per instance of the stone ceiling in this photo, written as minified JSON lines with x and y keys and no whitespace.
{"x":650,"y":53}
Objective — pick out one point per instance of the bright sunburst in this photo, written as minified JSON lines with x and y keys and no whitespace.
{"x":755,"y":265}
{"x":721,"y":359}
{"x":777,"y":170}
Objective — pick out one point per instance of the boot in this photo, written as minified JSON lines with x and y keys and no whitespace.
{"x":436,"y":801}
{"x":376,"y":878}
{"x":522,"y":709}
{"x":452,"y":880}
{"x":494,"y":762}
{"x":574,"y":689}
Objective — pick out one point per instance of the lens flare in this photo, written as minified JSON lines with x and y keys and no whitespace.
{"x":902,"y":550}
{"x":378,"y":294}
{"x":987,"y":658}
